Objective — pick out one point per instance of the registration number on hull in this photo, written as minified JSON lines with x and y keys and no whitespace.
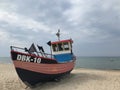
{"x":26,"y":58}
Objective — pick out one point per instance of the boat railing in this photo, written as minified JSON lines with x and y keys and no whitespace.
{"x":26,"y":51}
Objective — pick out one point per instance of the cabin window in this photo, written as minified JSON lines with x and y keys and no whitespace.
{"x":60,"y":46}
{"x":55,"y":48}
{"x":63,"y":46}
{"x":66,"y":45}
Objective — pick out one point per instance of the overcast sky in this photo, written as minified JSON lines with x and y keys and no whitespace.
{"x":94,"y":25}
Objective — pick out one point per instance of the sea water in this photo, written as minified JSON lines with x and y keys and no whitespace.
{"x":98,"y":62}
{"x":5,"y":60}
{"x":87,"y":62}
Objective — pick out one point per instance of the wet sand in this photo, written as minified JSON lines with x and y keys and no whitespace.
{"x":79,"y":79}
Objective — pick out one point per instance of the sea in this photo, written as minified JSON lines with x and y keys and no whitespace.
{"x":86,"y":62}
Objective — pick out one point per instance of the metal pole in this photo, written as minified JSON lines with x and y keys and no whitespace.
{"x":58,"y":34}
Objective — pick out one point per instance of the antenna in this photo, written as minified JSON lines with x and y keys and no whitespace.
{"x":58,"y":34}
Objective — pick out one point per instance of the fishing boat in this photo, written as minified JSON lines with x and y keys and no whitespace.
{"x":33,"y":65}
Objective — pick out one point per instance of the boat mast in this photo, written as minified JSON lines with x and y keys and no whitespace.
{"x":58,"y":34}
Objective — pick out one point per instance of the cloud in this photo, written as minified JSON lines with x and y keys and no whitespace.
{"x":96,"y":19}
{"x":6,"y":39}
{"x":89,"y":23}
{"x":22,"y":21}
{"x":13,"y":21}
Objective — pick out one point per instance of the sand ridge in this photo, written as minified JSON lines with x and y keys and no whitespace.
{"x":79,"y":79}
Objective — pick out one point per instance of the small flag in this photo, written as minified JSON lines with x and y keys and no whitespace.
{"x":49,"y":43}
{"x":32,"y":48}
{"x":26,"y":50}
{"x":40,"y":48}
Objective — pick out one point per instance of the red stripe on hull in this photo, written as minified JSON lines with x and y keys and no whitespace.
{"x":45,"y":68}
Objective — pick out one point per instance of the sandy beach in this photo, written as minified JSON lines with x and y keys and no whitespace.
{"x":79,"y":79}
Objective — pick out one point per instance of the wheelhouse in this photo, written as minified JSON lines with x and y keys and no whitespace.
{"x":62,"y":50}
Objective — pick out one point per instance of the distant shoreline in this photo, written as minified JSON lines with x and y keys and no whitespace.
{"x":112,"y":63}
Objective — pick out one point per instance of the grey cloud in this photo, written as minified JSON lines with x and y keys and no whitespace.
{"x":102,"y":17}
{"x":42,"y":9}
{"x":90,"y":23}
